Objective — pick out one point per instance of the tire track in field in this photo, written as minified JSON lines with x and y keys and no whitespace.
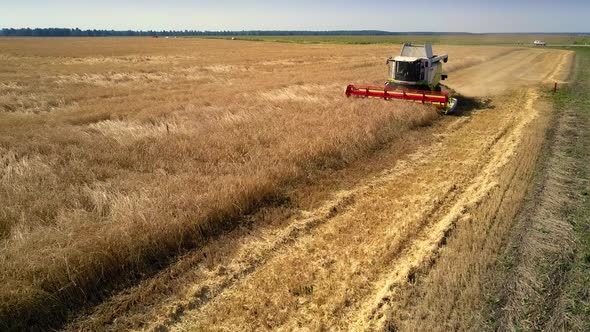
{"x":562,"y":70}
{"x":304,"y":224}
{"x":424,"y":251}
{"x":294,"y":289}
{"x":515,"y":70}
{"x":339,"y":264}
{"x":254,"y":248}
{"x":367,"y":247}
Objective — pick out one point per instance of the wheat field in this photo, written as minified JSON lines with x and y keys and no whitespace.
{"x":117,"y":154}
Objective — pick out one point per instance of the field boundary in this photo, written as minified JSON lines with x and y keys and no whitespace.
{"x":547,"y":256}
{"x":514,"y":40}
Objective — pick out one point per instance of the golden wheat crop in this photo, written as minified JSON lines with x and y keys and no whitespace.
{"x":116,"y":154}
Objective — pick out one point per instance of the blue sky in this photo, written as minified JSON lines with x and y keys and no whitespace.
{"x":408,"y":15}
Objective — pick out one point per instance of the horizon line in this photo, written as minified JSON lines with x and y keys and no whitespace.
{"x":305,"y":31}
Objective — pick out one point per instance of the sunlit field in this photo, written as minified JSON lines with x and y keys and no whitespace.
{"x":117,"y":154}
{"x":485,"y":39}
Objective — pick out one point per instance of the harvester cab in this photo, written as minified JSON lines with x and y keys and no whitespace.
{"x":417,"y":68}
{"x":414,"y":75}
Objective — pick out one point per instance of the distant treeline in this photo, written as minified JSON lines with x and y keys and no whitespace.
{"x":65,"y":32}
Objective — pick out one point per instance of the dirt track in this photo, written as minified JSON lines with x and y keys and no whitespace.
{"x":514,"y":70}
{"x":341,"y":264}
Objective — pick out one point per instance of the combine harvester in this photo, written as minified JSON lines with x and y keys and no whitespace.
{"x":415,"y":75}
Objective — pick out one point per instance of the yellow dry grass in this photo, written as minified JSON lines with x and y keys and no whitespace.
{"x":360,"y":265}
{"x":116,"y":154}
{"x":406,"y":250}
{"x":453,"y":282}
